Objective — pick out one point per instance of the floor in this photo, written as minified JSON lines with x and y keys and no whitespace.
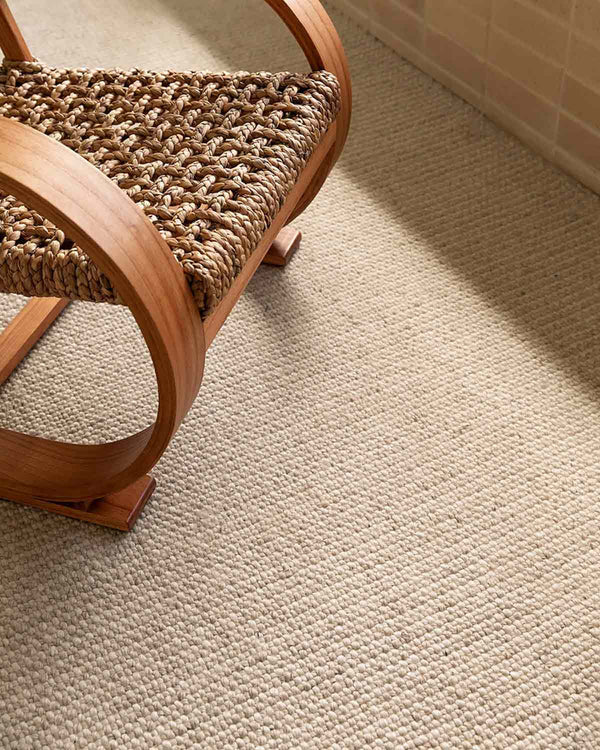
{"x":379,"y":525}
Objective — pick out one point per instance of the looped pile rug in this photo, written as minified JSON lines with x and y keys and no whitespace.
{"x":379,"y":525}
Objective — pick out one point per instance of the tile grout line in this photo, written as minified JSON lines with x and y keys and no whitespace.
{"x":536,"y":94}
{"x":560,"y":107}
{"x":588,"y":177}
{"x":487,"y":55}
{"x":545,"y":13}
{"x":459,"y":86}
{"x":520,"y":43}
{"x":511,"y":116}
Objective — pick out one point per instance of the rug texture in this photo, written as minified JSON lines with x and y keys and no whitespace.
{"x":379,"y":525}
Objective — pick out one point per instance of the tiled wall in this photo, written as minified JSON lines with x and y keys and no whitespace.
{"x":531,"y":65}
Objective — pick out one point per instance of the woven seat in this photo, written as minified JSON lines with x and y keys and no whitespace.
{"x":135,"y":166}
{"x":210,"y":158}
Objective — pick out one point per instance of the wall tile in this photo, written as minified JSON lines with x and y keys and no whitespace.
{"x":451,"y":19}
{"x":581,"y":101}
{"x":357,"y":9}
{"x":559,"y":8}
{"x":526,"y":67}
{"x":517,"y":127}
{"x":452,"y":82}
{"x":402,"y":47}
{"x":535,"y":112}
{"x":481,"y":8}
{"x":578,"y":169}
{"x":579,"y":141}
{"x":392,"y":19}
{"x":587,"y":17}
{"x":509,"y":59}
{"x":360,"y":5}
{"x":545,"y":35}
{"x":416,"y":6}
{"x":584,"y":61}
{"x":457,"y":60}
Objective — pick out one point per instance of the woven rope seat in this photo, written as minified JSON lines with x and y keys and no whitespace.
{"x":210,"y":158}
{"x":163,"y":192}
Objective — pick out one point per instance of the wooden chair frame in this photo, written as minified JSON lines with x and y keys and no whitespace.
{"x":109,"y":483}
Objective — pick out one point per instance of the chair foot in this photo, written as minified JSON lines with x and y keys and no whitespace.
{"x":117,"y":511}
{"x":283,"y":247}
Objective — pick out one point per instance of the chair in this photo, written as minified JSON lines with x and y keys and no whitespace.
{"x":160,"y":191}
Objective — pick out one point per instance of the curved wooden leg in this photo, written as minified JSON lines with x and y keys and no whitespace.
{"x":284,"y":246}
{"x":67,"y":478}
{"x":119,"y":510}
{"x":113,"y":231}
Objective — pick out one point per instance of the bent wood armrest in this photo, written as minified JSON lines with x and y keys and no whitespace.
{"x":100,"y":218}
{"x":95,"y":213}
{"x":315,"y":33}
{"x":11,"y":40}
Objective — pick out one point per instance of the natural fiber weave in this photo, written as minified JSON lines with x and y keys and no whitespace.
{"x":209,"y":157}
{"x":378,"y":527}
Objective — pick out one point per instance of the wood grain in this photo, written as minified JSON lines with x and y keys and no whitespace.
{"x":114,"y":232}
{"x":26,"y":328}
{"x":283,"y":247}
{"x":11,"y":40}
{"x":315,"y":33}
{"x":117,"y":511}
{"x":111,"y":229}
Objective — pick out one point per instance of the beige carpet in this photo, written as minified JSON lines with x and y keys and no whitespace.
{"x":379,"y":525}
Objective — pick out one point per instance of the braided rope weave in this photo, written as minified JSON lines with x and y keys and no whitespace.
{"x":210,"y":158}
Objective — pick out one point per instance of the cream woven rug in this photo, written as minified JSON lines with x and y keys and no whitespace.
{"x":379,"y":525}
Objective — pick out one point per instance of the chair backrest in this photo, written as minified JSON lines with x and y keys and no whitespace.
{"x":11,"y":40}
